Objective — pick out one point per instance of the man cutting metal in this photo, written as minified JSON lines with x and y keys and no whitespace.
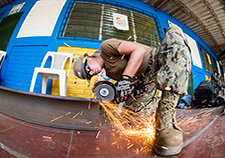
{"x":166,"y":68}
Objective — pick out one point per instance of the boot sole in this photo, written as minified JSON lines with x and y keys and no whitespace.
{"x":167,"y":151}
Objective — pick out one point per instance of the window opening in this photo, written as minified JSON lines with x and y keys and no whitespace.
{"x":207,"y":61}
{"x":95,"y":21}
{"x":215,"y":64}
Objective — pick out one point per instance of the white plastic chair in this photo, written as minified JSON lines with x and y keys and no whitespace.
{"x":2,"y":57}
{"x":56,"y":71}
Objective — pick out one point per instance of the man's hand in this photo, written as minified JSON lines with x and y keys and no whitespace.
{"x":124,"y":87}
{"x":139,"y":89}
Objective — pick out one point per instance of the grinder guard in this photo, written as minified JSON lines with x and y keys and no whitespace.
{"x":104,"y":91}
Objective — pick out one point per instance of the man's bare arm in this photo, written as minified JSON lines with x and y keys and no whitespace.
{"x":136,"y":53}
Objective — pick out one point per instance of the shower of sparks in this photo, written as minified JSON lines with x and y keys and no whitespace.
{"x":132,"y":125}
{"x":189,"y":122}
{"x":140,"y":130}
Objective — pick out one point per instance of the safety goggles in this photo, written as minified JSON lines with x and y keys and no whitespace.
{"x":87,"y":69}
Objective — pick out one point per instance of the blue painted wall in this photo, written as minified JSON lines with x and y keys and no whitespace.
{"x":24,"y":54}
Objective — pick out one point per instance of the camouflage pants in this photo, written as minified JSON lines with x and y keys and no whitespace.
{"x":169,"y":66}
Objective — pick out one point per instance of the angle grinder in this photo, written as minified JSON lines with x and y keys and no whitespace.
{"x":104,"y":91}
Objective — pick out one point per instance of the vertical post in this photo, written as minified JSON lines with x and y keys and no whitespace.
{"x":133,"y":24}
{"x":101,"y":23}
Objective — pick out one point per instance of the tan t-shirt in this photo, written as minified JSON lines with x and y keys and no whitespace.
{"x":115,"y":63}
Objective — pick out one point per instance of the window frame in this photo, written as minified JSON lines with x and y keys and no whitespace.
{"x":111,"y":3}
{"x":208,"y":67}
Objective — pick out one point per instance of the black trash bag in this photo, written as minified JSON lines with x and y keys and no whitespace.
{"x":205,"y":94}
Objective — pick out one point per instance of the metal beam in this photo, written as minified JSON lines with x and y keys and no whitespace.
{"x":221,"y":56}
{"x":156,"y":5}
{"x":218,"y":45}
{"x":50,"y":110}
{"x":162,"y":5}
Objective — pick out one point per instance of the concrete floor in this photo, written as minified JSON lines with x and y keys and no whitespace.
{"x":203,"y":130}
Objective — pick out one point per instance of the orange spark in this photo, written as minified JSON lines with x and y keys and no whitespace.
{"x":89,"y":106}
{"x":97,"y":148}
{"x":97,"y":134}
{"x":137,"y":151}
{"x":57,"y":118}
{"x":88,"y":122}
{"x":123,"y":56}
{"x":114,"y":143}
{"x":76,"y":115}
{"x":130,"y":146}
{"x":68,"y":113}
{"x":46,"y":137}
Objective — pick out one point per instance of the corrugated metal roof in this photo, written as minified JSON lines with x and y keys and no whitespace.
{"x":205,"y":17}
{"x":3,"y":2}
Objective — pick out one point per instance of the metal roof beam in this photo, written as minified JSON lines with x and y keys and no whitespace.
{"x":156,"y":5}
{"x":215,"y":17}
{"x":162,"y":5}
{"x":221,"y":55}
{"x":192,"y":15}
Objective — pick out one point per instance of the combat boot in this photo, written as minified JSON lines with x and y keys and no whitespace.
{"x":169,"y":137}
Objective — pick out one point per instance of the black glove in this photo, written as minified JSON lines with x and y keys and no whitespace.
{"x":138,"y":88}
{"x":124,"y":87}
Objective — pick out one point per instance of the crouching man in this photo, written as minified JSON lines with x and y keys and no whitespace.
{"x":168,"y":66}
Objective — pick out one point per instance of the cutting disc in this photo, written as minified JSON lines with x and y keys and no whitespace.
{"x":104,"y":92}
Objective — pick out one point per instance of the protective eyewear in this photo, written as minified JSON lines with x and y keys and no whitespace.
{"x":87,"y":69}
